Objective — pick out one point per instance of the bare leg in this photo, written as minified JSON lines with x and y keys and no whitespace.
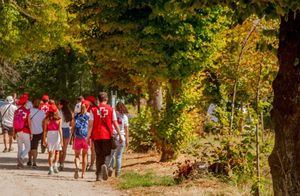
{"x":5,"y":135}
{"x":77,"y":163}
{"x":34,"y":154}
{"x":84,"y":162}
{"x":50,"y":155}
{"x":10,"y":142}
{"x":56,"y":158}
{"x":63,"y":153}
{"x":30,"y":156}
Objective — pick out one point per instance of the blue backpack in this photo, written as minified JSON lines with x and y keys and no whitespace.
{"x":81,"y":125}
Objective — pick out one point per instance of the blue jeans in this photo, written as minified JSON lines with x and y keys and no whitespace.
{"x":116,"y":156}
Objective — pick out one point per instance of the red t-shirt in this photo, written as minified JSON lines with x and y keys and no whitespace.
{"x":91,"y":108}
{"x":102,"y":122}
{"x":44,"y":107}
{"x":26,"y":113}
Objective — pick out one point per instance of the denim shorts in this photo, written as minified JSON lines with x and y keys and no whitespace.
{"x":66,"y":133}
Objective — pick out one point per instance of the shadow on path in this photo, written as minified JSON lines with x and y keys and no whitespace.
{"x":9,"y":163}
{"x":142,"y":163}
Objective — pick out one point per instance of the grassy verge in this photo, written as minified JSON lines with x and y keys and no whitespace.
{"x":133,"y":180}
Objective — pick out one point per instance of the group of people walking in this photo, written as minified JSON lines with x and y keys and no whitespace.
{"x":93,"y":126}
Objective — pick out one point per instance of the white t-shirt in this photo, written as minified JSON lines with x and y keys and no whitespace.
{"x":37,"y":116}
{"x":122,"y":120}
{"x":28,"y":105}
{"x":64,"y":124}
{"x":8,"y":117}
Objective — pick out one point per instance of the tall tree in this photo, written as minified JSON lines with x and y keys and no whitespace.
{"x":284,"y":160}
{"x":160,"y":41}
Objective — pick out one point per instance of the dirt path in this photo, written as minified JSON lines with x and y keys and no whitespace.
{"x":27,"y":181}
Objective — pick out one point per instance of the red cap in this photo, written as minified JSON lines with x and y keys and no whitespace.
{"x":91,"y":99}
{"x":26,"y":94}
{"x":45,"y":98}
{"x":52,"y":108}
{"x":23,"y":100}
{"x":86,"y":103}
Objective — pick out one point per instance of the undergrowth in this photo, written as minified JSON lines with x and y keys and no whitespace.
{"x":133,"y":179}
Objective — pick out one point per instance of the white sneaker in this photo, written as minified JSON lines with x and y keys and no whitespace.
{"x":50,"y":171}
{"x":55,"y":169}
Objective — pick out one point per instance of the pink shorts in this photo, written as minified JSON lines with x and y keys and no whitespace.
{"x":79,"y":144}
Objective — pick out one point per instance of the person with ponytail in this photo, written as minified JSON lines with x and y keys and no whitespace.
{"x":67,"y":123}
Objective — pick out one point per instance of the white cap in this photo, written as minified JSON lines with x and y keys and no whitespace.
{"x":9,"y":99}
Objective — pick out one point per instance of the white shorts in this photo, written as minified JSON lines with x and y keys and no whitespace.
{"x":53,"y":141}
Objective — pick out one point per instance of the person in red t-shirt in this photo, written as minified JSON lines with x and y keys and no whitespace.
{"x":102,"y":120}
{"x":93,"y":104}
{"x":21,"y":130}
{"x":44,"y":106}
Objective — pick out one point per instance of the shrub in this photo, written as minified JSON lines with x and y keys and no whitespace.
{"x":139,"y":131}
{"x":189,"y":170}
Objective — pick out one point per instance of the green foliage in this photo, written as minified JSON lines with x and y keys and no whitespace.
{"x":134,"y":42}
{"x":133,"y":180}
{"x":62,"y":73}
{"x":140,"y":132}
{"x":27,"y":26}
{"x":176,"y":127}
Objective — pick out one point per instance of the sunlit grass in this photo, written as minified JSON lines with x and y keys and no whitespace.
{"x":134,"y":179}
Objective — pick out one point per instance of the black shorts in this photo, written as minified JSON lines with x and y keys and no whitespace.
{"x":35,"y":141}
{"x":6,"y":129}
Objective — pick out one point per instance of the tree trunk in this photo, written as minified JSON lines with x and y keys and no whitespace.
{"x":139,"y":102}
{"x":233,"y":104}
{"x":174,"y":90}
{"x":244,"y":44}
{"x":155,"y":102}
{"x":262,"y":126}
{"x":155,"y":97}
{"x":241,"y":120}
{"x":257,"y":190}
{"x":285,"y":157}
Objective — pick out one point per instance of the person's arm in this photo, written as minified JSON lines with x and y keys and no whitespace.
{"x":126,"y":135}
{"x":14,"y":130}
{"x":115,"y":123}
{"x":72,"y":123}
{"x":45,"y":122}
{"x":14,"y":134}
{"x":60,"y":132}
{"x":91,"y":122}
{"x":126,"y":125}
{"x":29,"y":127}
